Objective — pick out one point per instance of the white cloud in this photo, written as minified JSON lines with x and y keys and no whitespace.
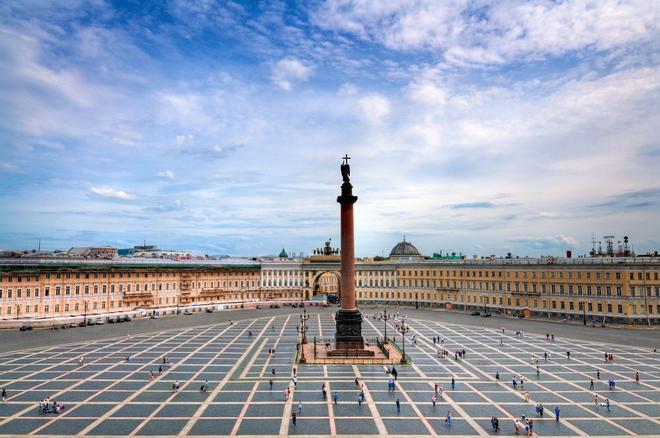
{"x":184,"y":139}
{"x":427,"y":93}
{"x":108,"y":192}
{"x":375,"y":107}
{"x":167,"y":174}
{"x":288,"y":71}
{"x":493,"y":32}
{"x":347,"y":89}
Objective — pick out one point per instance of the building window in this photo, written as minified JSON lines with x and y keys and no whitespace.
{"x":619,"y":307}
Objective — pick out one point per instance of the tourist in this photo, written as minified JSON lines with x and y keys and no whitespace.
{"x":448,"y":418}
{"x":294,"y":381}
{"x":515,"y":426}
{"x":497,"y":375}
{"x":557,"y":411}
{"x":335,"y":397}
{"x":357,"y":382}
{"x":300,"y":407}
{"x":286,"y":394}
{"x":598,"y":374}
{"x":205,"y":386}
{"x":453,"y":383}
{"x":151,"y":376}
{"x":433,"y":400}
{"x":440,"y":390}
{"x":526,"y":396}
{"x":541,"y":408}
{"x":160,"y":369}
{"x":607,"y":403}
{"x":273,"y":371}
{"x":596,"y":400}
{"x":361,"y":398}
{"x":175,"y":386}
{"x":395,"y":373}
{"x":495,"y":422}
{"x":522,"y":383}
{"x":514,"y":383}
{"x":538,"y":371}
{"x":637,"y":377}
{"x":4,"y":394}
{"x":435,"y":386}
{"x":568,"y":355}
{"x":545,"y":356}
{"x":270,"y":382}
{"x":591,"y":385}
{"x":293,"y":418}
{"x":501,"y":344}
{"x":398,"y":406}
{"x":323,"y":391}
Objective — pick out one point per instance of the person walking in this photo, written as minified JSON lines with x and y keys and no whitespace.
{"x":522,"y":383}
{"x":568,"y":355}
{"x":433,"y":400}
{"x":160,"y":370}
{"x":453,"y":383}
{"x":538,"y":371}
{"x":270,"y":382}
{"x":514,"y":383}
{"x":293,"y":419}
{"x":335,"y":397}
{"x":497,"y":375}
{"x":495,"y":422}
{"x":607,"y":403}
{"x":637,"y":377}
{"x":591,"y":385}
{"x":151,"y":376}
{"x":448,"y":418}
{"x":598,"y":374}
{"x":300,"y":407}
{"x":557,"y":411}
{"x":398,"y":406}
{"x":323,"y":391}
{"x":596,"y":400}
{"x":4,"y":394}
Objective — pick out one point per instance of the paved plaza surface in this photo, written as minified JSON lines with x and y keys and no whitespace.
{"x":112,"y":396}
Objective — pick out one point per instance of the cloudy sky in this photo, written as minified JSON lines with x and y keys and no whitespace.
{"x":477,"y":126}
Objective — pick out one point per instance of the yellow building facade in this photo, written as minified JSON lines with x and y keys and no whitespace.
{"x":609,"y":289}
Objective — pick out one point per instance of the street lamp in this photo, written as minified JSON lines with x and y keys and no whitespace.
{"x":584,"y":312}
{"x":403,"y":329}
{"x":385,"y":317}
{"x":302,"y":329}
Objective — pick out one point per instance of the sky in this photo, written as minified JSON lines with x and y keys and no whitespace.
{"x":474,"y":126}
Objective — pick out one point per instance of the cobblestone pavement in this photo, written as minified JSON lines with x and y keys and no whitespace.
{"x":110,"y":395}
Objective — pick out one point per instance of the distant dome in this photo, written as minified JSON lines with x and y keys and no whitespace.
{"x":404,"y":250}
{"x":283,"y":254}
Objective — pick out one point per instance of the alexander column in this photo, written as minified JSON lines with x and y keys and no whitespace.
{"x":348,"y":318}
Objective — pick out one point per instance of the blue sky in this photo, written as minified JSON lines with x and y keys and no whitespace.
{"x":483,"y":127}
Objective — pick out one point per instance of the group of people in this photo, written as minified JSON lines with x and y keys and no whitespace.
{"x":459,"y":354}
{"x":45,"y":406}
{"x":527,"y":424}
{"x":550,"y":337}
{"x":609,"y":357}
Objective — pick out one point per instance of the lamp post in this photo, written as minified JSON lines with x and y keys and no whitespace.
{"x":385,"y":317}
{"x":403,"y":329}
{"x":303,"y":326}
{"x":584,"y":312}
{"x":85,"y":314}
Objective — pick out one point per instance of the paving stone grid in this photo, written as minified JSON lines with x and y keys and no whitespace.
{"x":111,"y":396}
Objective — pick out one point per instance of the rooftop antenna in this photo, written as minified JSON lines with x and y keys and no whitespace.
{"x":39,"y":247}
{"x":593,"y":245}
{"x":609,"y":240}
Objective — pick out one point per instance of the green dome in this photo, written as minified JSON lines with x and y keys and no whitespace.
{"x":283,"y":254}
